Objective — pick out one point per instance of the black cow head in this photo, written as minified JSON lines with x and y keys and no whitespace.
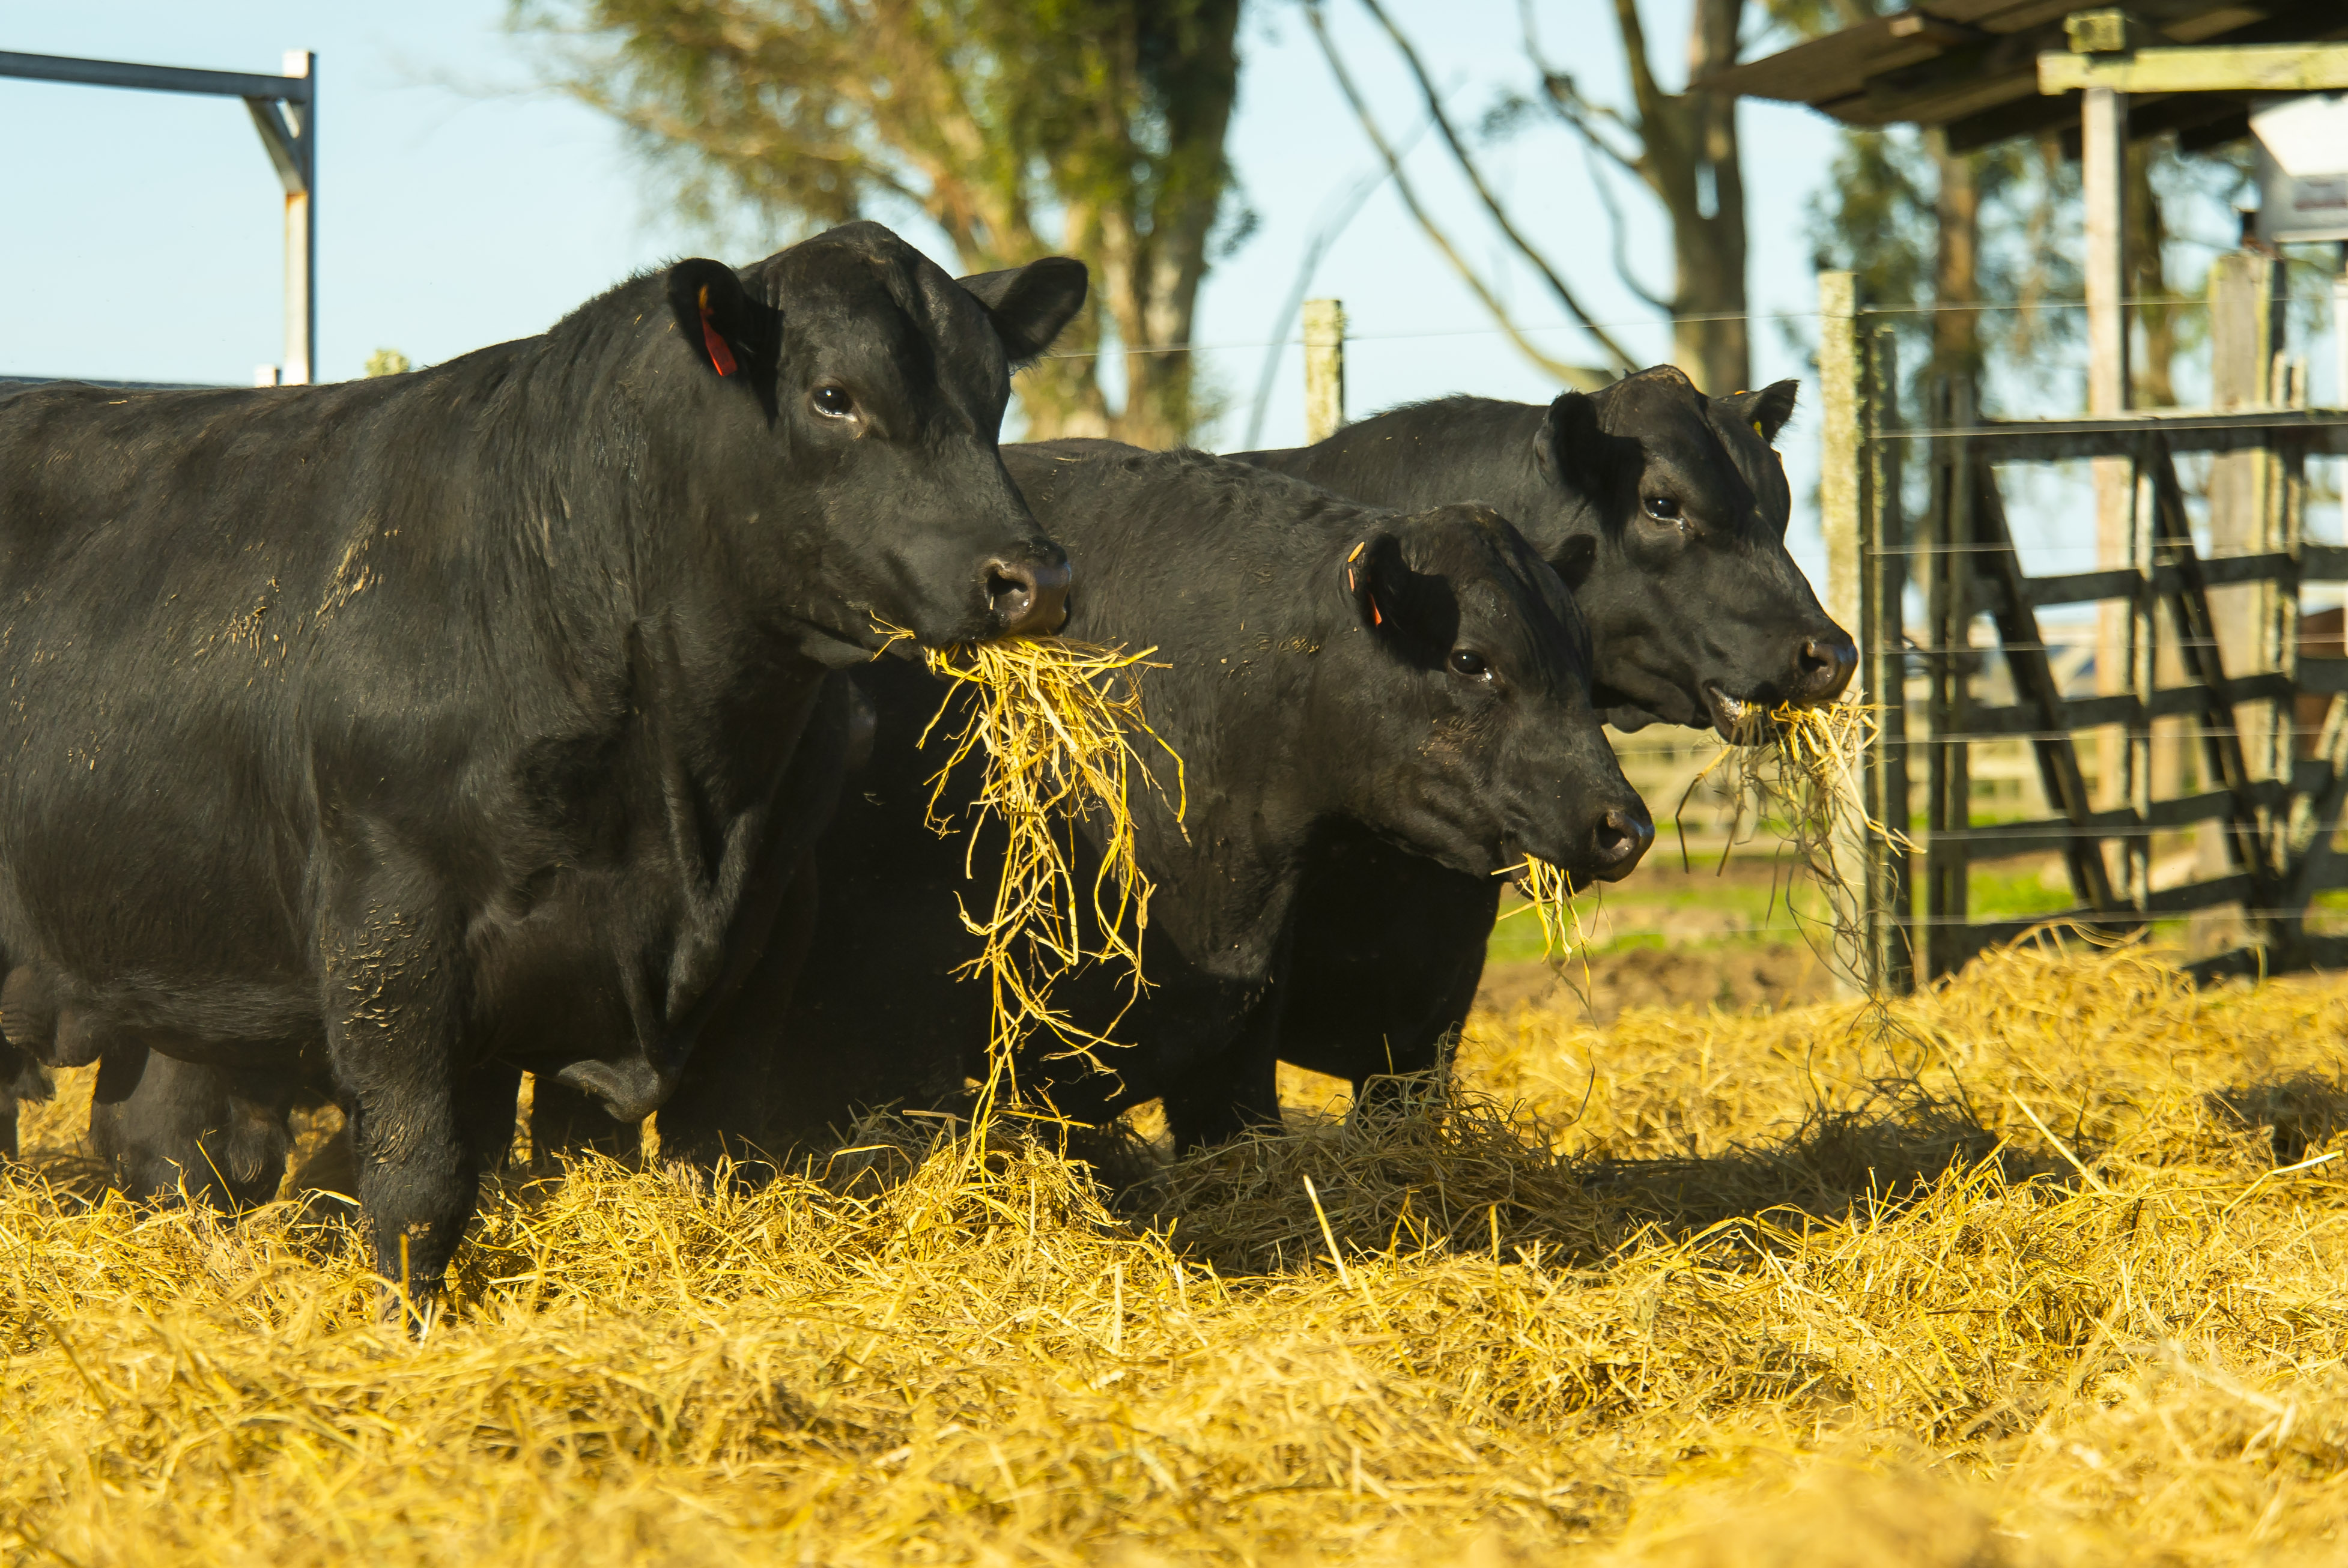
{"x":1676,"y":551}
{"x":858,"y":392}
{"x":1474,"y":650}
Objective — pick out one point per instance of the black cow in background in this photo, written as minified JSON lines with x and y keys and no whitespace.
{"x":1423,"y":676}
{"x":401,"y":735}
{"x":1666,"y":511}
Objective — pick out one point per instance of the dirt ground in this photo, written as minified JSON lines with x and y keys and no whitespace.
{"x":1734,"y":977}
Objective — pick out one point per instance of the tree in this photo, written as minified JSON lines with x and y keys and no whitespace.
{"x":1021,"y":128}
{"x":1681,"y":146}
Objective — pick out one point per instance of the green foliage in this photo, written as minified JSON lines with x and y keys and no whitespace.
{"x":1020,"y":127}
{"x":388,"y":362}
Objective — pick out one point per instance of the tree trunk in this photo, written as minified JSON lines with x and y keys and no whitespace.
{"x":2148,"y":281}
{"x":1711,"y":339}
{"x":1956,"y":264}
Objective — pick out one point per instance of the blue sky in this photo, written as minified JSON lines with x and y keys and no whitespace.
{"x":459,"y":206}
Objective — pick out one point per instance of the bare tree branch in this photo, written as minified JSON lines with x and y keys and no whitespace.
{"x":1578,"y":115}
{"x":1573,"y":375}
{"x":1484,"y":192}
{"x":1644,"y":93}
{"x":1622,"y":257}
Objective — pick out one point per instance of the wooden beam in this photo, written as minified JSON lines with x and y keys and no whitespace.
{"x":2240,"y":68}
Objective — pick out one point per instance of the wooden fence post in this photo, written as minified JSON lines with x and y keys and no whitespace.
{"x":1324,"y":369}
{"x":2103,"y":144}
{"x":1883,"y":664}
{"x":1863,"y":569}
{"x":1840,"y":460}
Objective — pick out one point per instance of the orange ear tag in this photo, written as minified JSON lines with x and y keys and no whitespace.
{"x":1375,"y":619}
{"x":721,"y":358}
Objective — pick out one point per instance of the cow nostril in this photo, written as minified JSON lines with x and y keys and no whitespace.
{"x":1825,"y":665}
{"x":1621,"y":838}
{"x":1030,"y":598}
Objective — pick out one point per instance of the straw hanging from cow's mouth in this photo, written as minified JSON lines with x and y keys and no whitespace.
{"x":1803,"y":766}
{"x":1057,"y":721}
{"x":1550,"y":895}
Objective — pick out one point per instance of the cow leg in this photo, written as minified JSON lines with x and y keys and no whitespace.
{"x":1425,"y":1048}
{"x":567,"y":1121}
{"x":485,"y":1113}
{"x":217,"y":1133}
{"x":722,"y":1102}
{"x":392,"y":987}
{"x":21,"y":1078}
{"x":1217,"y":1106}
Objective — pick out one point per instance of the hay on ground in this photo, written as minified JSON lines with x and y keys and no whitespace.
{"x":2056,"y":1273}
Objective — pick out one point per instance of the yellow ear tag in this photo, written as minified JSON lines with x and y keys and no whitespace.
{"x":1759,"y":431}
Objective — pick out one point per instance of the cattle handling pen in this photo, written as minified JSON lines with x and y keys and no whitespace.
{"x":1986,"y":1251}
{"x":2214,"y":713}
{"x":2272,"y":790}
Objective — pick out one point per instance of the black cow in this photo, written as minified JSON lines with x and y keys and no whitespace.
{"x":1666,"y":511}
{"x":1424,"y":676}
{"x":404,"y":734}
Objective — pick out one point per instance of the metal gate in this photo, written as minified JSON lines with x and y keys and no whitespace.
{"x":2261,"y":789}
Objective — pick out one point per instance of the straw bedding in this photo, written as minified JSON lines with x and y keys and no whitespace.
{"x":2045,"y":1267}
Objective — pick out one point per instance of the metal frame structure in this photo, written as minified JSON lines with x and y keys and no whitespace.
{"x":2277,"y":813}
{"x":284,"y":110}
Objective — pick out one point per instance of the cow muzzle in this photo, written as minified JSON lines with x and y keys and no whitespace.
{"x":1619,"y":841}
{"x":1823,"y":666}
{"x":1028,"y":597}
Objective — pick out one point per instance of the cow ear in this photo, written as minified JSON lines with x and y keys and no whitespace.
{"x":1766,"y":410}
{"x":1575,"y":561}
{"x":1374,"y":574}
{"x":713,"y":315}
{"x":1030,"y":305}
{"x":1569,"y":447}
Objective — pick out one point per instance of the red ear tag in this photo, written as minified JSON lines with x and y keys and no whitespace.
{"x":721,"y":358}
{"x":1375,"y":619}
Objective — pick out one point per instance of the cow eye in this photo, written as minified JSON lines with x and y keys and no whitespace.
{"x":833,"y":402}
{"x":1468,"y":662}
{"x":1663,"y":508}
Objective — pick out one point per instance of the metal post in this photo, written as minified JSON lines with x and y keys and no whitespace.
{"x":1948,"y":867}
{"x":1324,"y":369}
{"x":2102,"y":149}
{"x":289,"y":130}
{"x":1883,"y":665}
{"x":301,"y":234}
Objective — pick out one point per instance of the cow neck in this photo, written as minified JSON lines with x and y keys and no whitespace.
{"x":611,"y":525}
{"x":597,"y":567}
{"x":1434,"y":453}
{"x":1240,"y":708}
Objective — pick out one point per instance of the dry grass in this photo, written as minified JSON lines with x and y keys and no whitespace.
{"x":1801,"y":770}
{"x":1056,"y":723}
{"x":1694,"y":1289}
